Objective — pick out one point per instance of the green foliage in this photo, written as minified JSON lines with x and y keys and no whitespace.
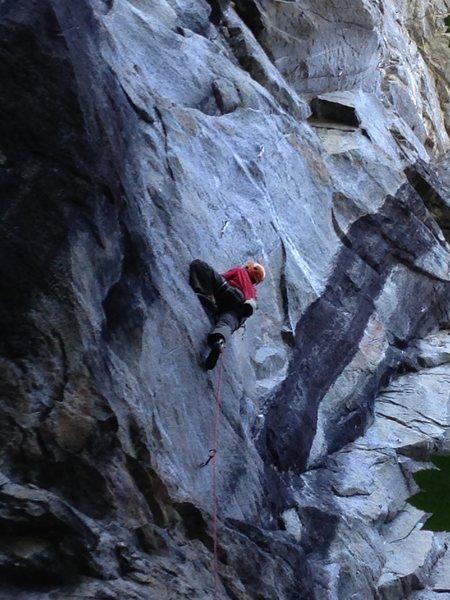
{"x":434,"y":495}
{"x":447,"y":25}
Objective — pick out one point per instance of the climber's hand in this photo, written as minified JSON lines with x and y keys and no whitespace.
{"x":248,"y":308}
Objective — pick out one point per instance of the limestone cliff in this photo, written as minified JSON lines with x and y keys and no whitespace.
{"x":136,"y":135}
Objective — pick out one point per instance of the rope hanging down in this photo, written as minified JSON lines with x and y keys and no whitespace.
{"x":212,"y":455}
{"x":214,"y":483}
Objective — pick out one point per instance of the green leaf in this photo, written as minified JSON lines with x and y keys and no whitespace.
{"x":434,"y":495}
{"x":433,"y":480}
{"x":441,"y":461}
{"x":423,"y":501}
{"x":439,"y":522}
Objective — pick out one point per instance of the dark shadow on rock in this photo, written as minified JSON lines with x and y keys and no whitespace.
{"x":334,"y":112}
{"x":329,"y":332}
{"x":269,"y":563}
{"x":43,"y":180}
{"x":127,"y":301}
{"x":251,"y":14}
{"x":218,"y":8}
{"x":435,"y":197}
{"x":42,"y":540}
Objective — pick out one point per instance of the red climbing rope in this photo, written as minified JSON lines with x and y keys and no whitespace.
{"x":212,"y":457}
{"x":215,"y":445}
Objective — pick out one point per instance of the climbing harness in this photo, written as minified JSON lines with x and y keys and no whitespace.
{"x":212,"y":455}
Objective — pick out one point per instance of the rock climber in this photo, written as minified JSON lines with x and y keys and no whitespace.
{"x":230,"y":298}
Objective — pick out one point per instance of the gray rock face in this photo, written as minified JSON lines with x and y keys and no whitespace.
{"x":138,"y":135}
{"x":321,"y":46}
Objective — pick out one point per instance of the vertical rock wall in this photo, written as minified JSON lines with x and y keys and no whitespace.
{"x":138,"y":135}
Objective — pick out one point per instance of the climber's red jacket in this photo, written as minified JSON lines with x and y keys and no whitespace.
{"x":239,"y":278}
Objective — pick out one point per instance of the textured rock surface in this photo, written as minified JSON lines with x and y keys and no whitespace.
{"x":138,"y":135}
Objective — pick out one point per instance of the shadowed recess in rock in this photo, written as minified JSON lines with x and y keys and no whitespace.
{"x":128,"y":300}
{"x":281,"y":564}
{"x":41,"y":538}
{"x":334,"y":112}
{"x":433,"y":194}
{"x":250,"y":13}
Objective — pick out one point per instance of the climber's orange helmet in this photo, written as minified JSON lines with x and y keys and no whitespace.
{"x":256,"y":271}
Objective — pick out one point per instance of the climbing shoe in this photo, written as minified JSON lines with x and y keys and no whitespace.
{"x":216,"y":350}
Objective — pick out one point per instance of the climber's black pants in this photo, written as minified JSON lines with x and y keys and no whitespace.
{"x":226,"y":325}
{"x":211,"y":286}
{"x":204,"y":279}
